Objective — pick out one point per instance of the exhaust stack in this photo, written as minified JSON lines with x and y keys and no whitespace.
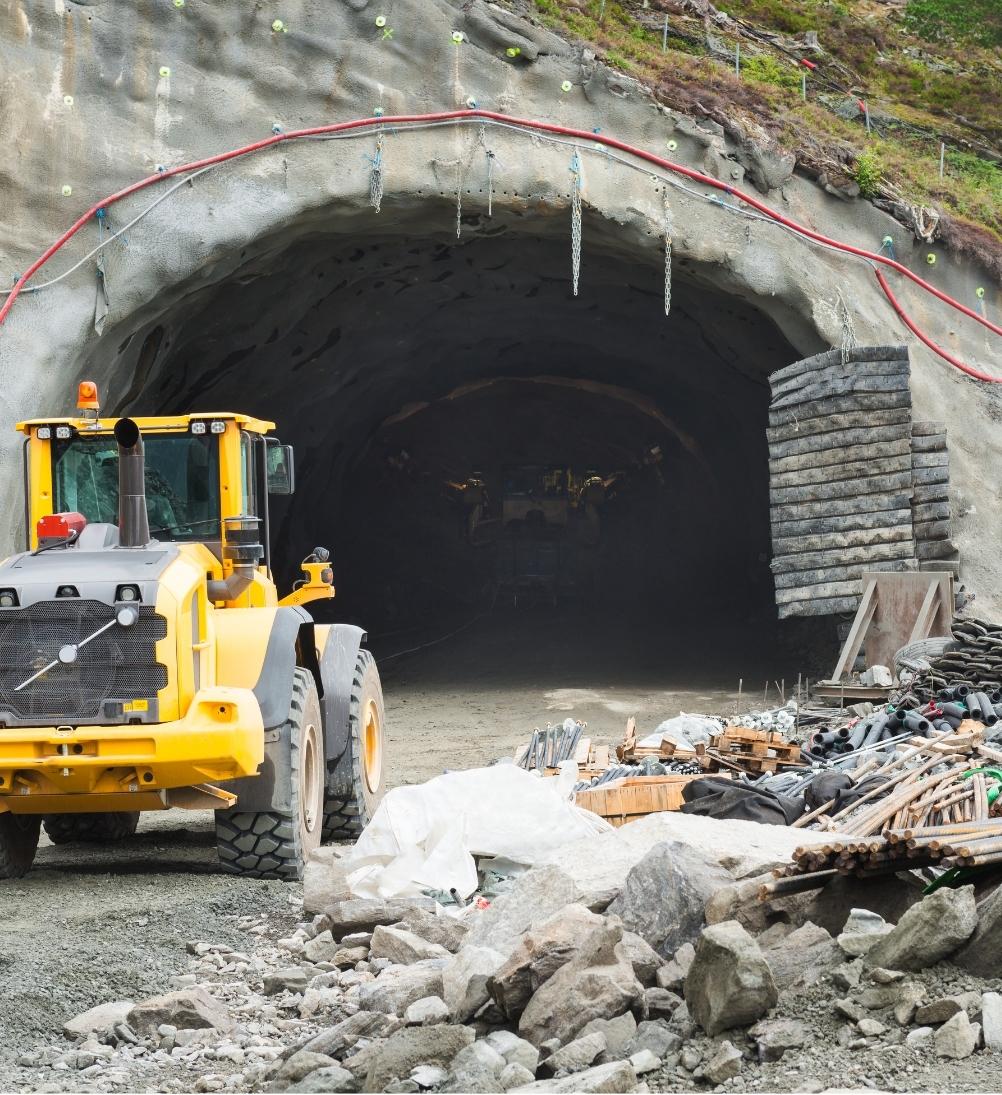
{"x":133,"y":518}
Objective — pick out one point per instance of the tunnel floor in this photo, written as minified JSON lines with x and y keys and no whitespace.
{"x":471,"y":697}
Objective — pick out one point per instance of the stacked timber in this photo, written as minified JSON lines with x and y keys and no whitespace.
{"x":931,"y":496}
{"x":843,"y":465}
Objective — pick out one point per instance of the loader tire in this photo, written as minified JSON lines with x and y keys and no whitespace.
{"x":276,"y":843}
{"x":18,"y":843}
{"x":90,"y":828}
{"x":355,"y":783}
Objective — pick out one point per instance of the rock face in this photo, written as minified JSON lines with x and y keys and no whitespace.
{"x":730,"y":983}
{"x":599,"y":983}
{"x":665,"y":894}
{"x":538,"y":955}
{"x":186,"y":1009}
{"x":928,"y":932}
{"x":532,"y":899}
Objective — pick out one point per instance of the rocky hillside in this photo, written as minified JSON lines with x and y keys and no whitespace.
{"x":887,"y":82}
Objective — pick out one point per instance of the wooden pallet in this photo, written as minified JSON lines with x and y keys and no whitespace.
{"x":625,"y":800}
{"x":742,"y":749}
{"x":629,"y":750}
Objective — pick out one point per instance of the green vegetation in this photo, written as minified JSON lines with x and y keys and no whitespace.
{"x":764,"y":68}
{"x":867,"y":174}
{"x":942,"y":20}
{"x":926,"y":75}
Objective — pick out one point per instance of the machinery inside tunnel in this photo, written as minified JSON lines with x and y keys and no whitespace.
{"x":472,"y":436}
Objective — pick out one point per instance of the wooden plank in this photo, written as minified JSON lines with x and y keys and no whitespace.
{"x":837,"y":541}
{"x":830,"y":357}
{"x":841,"y":440}
{"x":935,"y":492}
{"x":869,"y":553}
{"x":931,"y":511}
{"x":932,"y":530}
{"x":883,"y":519}
{"x":831,"y":423}
{"x":899,"y":601}
{"x":848,"y":386}
{"x":935,"y":549}
{"x":843,"y":488}
{"x":839,"y":404}
{"x":876,"y":450}
{"x":930,"y":460}
{"x":928,"y":476}
{"x":818,"y":606}
{"x":857,"y":633}
{"x":601,"y":758}
{"x":820,"y":590}
{"x":929,"y":443}
{"x":801,"y":579}
{"x":833,"y":373}
{"x":925,"y":429}
{"x":926,"y":614}
{"x":831,"y":473}
{"x":841,"y":507}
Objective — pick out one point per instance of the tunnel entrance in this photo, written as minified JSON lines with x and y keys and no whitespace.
{"x":583,"y":475}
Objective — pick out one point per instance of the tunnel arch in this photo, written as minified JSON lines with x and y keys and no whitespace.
{"x":398,"y":333}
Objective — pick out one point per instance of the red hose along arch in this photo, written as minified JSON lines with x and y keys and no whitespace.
{"x":404,"y":120}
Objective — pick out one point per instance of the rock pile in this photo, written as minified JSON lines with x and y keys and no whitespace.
{"x":566,"y":985}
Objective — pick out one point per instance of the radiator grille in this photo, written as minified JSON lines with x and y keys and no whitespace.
{"x":119,"y":665}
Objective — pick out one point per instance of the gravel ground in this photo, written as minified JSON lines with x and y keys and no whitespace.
{"x":91,"y":924}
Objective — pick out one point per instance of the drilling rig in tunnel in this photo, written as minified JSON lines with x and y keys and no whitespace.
{"x":147,"y":660}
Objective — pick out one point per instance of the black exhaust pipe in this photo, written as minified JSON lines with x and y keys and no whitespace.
{"x":133,"y":518}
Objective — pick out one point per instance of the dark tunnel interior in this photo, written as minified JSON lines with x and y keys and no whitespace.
{"x":472,"y":437}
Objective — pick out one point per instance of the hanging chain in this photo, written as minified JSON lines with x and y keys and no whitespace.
{"x":576,"y":222}
{"x":376,"y":175}
{"x":667,"y":226}
{"x":489,"y":153}
{"x":459,"y":197}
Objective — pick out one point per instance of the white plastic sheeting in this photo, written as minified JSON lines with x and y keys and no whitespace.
{"x":426,"y":837}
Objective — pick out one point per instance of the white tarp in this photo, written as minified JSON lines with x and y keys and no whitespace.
{"x":426,"y":836}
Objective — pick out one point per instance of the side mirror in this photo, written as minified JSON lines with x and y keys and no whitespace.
{"x":281,"y":468}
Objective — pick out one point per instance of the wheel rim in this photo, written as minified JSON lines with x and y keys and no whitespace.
{"x":312,"y":785}
{"x":372,"y":745}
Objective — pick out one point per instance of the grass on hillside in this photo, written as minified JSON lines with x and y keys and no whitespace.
{"x":918,"y":93}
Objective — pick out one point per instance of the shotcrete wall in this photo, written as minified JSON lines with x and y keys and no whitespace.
{"x":96,"y":95}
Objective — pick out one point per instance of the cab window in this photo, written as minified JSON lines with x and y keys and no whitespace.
{"x":182,"y":482}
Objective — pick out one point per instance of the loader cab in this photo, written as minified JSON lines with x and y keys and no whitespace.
{"x":203,"y":471}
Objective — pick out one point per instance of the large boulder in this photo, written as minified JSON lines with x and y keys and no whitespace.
{"x":533,"y":897}
{"x":597,"y":867}
{"x":437,"y":927}
{"x":928,"y":932}
{"x":402,"y":947}
{"x":598,"y":982}
{"x":399,"y":986}
{"x":383,"y":1060}
{"x":538,"y":955}
{"x":325,"y":879}
{"x":664,"y":896}
{"x":98,"y":1019}
{"x":465,"y":978}
{"x":187,"y":1009}
{"x":340,"y":1039}
{"x":362,"y":914}
{"x":982,"y":954}
{"x":729,"y":983}
{"x":617,"y":1076}
{"x":803,"y":956}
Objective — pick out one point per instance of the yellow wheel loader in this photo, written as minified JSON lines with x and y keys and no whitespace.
{"x":147,"y":661}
